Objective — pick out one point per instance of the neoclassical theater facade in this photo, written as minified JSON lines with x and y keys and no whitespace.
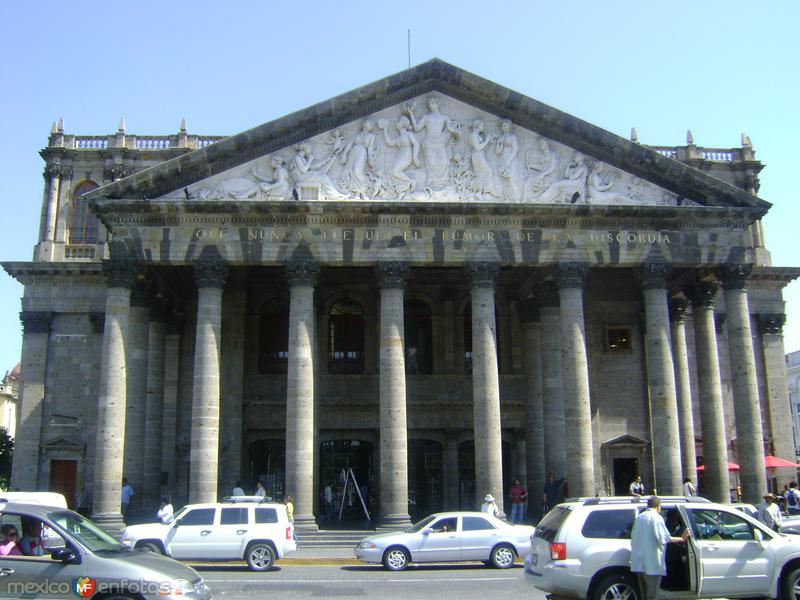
{"x":423,"y":289}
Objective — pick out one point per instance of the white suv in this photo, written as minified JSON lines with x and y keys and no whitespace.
{"x":258,"y":532}
{"x":582,"y":549}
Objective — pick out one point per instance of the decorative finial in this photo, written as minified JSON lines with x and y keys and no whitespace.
{"x":121,"y":125}
{"x":61,"y":125}
{"x":634,"y":135}
{"x":746,"y":143}
{"x":53,"y":129}
{"x":689,"y":137}
{"x":183,"y":125}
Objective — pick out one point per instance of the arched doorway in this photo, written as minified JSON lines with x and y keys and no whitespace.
{"x":425,"y":486}
{"x":339,"y":462}
{"x":268,"y":464}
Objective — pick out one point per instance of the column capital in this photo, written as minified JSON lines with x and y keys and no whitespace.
{"x":771,"y":323}
{"x":678,"y":308}
{"x":653,"y":274}
{"x":392,"y":273}
{"x":210,"y":272}
{"x":702,"y":293}
{"x":52,"y":170}
{"x":528,"y":310}
{"x":571,"y":275}
{"x":483,"y":274}
{"x":300,"y":271}
{"x":120,"y":272}
{"x":35,"y":321}
{"x":734,"y":276}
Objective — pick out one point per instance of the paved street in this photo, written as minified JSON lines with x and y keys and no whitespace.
{"x":367,"y":581}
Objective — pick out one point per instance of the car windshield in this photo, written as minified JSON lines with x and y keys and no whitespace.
{"x":85,"y":531}
{"x":420,"y":525}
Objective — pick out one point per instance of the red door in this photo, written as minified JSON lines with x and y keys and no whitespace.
{"x":63,"y":475}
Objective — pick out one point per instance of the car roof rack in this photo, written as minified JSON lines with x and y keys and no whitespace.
{"x":595,"y":500}
{"x":257,"y":499}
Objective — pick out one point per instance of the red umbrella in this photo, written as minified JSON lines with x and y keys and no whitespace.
{"x":731,"y":467}
{"x":773,"y":461}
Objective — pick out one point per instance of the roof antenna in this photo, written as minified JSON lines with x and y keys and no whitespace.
{"x":409,"y":48}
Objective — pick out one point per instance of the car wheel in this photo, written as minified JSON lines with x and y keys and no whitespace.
{"x":503,"y":556}
{"x":149,"y":547}
{"x":616,"y":586}
{"x":396,"y":559}
{"x":790,"y":585}
{"x":260,"y":557}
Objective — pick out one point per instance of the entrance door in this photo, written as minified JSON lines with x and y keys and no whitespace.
{"x":336,"y":458}
{"x":424,"y":478}
{"x":63,"y":478}
{"x":625,"y":469}
{"x":268,"y":465}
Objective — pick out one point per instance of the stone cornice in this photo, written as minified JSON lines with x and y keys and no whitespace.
{"x":56,"y":273}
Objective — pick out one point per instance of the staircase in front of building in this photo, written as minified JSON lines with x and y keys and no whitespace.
{"x":332,"y":538}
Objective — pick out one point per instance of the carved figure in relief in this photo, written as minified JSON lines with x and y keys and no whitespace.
{"x":572,"y":188}
{"x":278,"y":186}
{"x":438,"y":129}
{"x":599,"y":185}
{"x":306,"y":172}
{"x":356,"y":156}
{"x":484,"y":175}
{"x":539,"y":168}
{"x":507,"y":147}
{"x":236,"y":188}
{"x":407,"y":154}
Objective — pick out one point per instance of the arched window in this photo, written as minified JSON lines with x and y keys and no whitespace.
{"x":83,"y":222}
{"x":418,"y":337}
{"x":346,"y":337}
{"x":273,"y":346}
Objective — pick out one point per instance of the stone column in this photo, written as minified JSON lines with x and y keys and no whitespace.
{"x":169,"y":419}
{"x":392,"y":277}
{"x":715,"y":449}
{"x":53,"y":172}
{"x":746,"y":406}
{"x":652,"y":278}
{"x":154,"y":407}
{"x":109,"y":444}
{"x":555,"y":442}
{"x":136,"y":341}
{"x":486,"y":384}
{"x":680,"y":357}
{"x":300,"y":423}
{"x":534,"y":409}
{"x":26,"y":460}
{"x":571,"y":278}
{"x":210,"y":274}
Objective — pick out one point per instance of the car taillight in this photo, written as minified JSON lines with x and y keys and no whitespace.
{"x":558,"y":551}
{"x":289,"y":532}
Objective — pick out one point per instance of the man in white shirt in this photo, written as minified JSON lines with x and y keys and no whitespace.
{"x":769,"y":513}
{"x":127,"y":494}
{"x":238,"y":490}
{"x":489,"y":505}
{"x":688,"y":488}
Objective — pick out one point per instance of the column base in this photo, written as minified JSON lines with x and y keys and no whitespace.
{"x":110,"y":522}
{"x":394,"y":522}
{"x":305,"y":523}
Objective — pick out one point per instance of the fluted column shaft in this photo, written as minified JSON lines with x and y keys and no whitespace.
{"x":715,"y":452}
{"x":680,"y":357}
{"x":151,"y":486}
{"x":746,"y":406}
{"x":570,"y":278}
{"x":652,"y":278}
{"x":392,"y":278}
{"x":300,"y":422}
{"x":555,"y":440}
{"x":534,"y":409}
{"x":210,"y":275}
{"x":110,"y":432}
{"x":486,"y":385}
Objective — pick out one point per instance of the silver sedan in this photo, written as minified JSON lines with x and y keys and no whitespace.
{"x":449,"y":537}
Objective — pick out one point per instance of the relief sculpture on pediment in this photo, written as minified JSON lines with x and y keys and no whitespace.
{"x":454,"y":152}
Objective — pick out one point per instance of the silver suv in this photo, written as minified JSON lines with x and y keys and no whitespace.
{"x":582,"y":549}
{"x":258,"y":532}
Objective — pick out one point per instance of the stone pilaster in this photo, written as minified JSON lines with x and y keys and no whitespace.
{"x":571,"y":278}
{"x":486,"y":384}
{"x":680,"y":357}
{"x":746,"y":407}
{"x":652,"y":278}
{"x":109,"y":445}
{"x":300,"y":423}
{"x":26,"y":461}
{"x":529,"y":314}
{"x":451,"y":473}
{"x":172,"y":350}
{"x":555,"y":440}
{"x":392,"y":277}
{"x":154,"y":408}
{"x":210,"y":274}
{"x":715,"y":451}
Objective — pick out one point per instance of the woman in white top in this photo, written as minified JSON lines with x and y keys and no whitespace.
{"x":165,"y":512}
{"x":489,"y":505}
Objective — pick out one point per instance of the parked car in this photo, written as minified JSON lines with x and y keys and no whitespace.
{"x":448,"y":537}
{"x":45,"y":498}
{"x":257,"y":532}
{"x":747,"y":509}
{"x":80,"y":559}
{"x":581,"y":549}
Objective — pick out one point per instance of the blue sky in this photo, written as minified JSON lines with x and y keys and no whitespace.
{"x":717,"y":68}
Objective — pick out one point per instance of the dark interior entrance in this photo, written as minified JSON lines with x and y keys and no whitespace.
{"x":625,"y":469}
{"x":424,"y":478}
{"x":336,"y":459}
{"x":267,"y":464}
{"x":468,"y":497}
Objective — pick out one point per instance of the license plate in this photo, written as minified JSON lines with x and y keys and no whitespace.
{"x":534,"y":559}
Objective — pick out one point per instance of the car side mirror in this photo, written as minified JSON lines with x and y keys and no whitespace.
{"x":64,"y":555}
{"x":427,"y":531}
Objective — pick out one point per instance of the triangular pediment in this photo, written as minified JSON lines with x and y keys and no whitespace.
{"x":432,"y":133}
